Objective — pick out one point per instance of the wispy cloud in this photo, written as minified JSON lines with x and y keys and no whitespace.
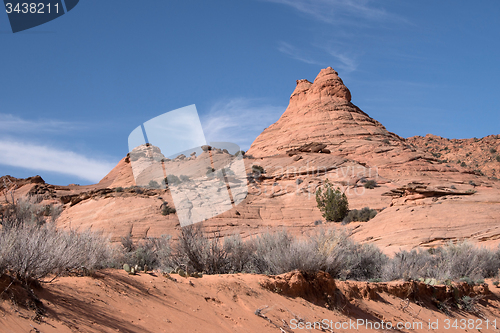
{"x":297,"y":54}
{"x":332,"y":57}
{"x":44,"y":158}
{"x":239,"y":120}
{"x":12,"y":124}
{"x":339,"y":11}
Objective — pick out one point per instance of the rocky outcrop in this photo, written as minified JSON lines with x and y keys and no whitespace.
{"x":476,"y":156}
{"x":424,"y":197}
{"x":321,"y":289}
{"x":319,"y":112}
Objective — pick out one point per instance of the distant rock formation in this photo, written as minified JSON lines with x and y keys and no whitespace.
{"x":319,"y":112}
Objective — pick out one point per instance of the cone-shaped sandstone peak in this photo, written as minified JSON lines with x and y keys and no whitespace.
{"x":319,"y":112}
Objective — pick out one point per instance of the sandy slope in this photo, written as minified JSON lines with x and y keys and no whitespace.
{"x":113,"y":301}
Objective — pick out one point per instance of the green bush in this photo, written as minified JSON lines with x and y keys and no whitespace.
{"x":370,"y":184}
{"x":363,"y":215}
{"x":166,"y":209}
{"x":258,"y":169}
{"x":119,"y":189}
{"x":332,"y":203}
{"x":493,"y":150}
{"x":210,"y":172}
{"x":172,"y":180}
{"x":153,"y":184}
{"x":498,"y":158}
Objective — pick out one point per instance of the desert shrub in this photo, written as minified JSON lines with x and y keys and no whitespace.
{"x":363,"y":215}
{"x":153,"y":184}
{"x":210,"y":172}
{"x":119,"y":189}
{"x":493,"y":150}
{"x":498,"y":158}
{"x":128,"y":243}
{"x":365,"y":262}
{"x":191,"y":248}
{"x":332,"y":203}
{"x":219,"y":174}
{"x":151,"y":252}
{"x":258,"y":169}
{"x":469,"y":304}
{"x":184,"y":178}
{"x":370,"y":184}
{"x":437,"y":155}
{"x":463,"y":164}
{"x":343,"y":258}
{"x":32,"y":252}
{"x":479,"y":172}
{"x":213,"y":255}
{"x":465,"y":259}
{"x":409,"y":265}
{"x":328,"y":250}
{"x":239,"y":253}
{"x":280,"y":252}
{"x":199,"y":253}
{"x":386,"y":141}
{"x":166,"y":209}
{"x":229,"y":172}
{"x":172,"y":180}
{"x":26,"y":210}
{"x":452,"y":261}
{"x":240,"y":152}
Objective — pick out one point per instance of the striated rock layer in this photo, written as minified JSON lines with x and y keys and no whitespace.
{"x":423,"y":196}
{"x":319,"y":112}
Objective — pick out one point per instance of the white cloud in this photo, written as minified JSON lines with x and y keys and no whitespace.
{"x":339,"y":11}
{"x":346,"y":63}
{"x":13,"y":124}
{"x":45,"y":158}
{"x":239,"y":120}
{"x":334,"y":58}
{"x":297,"y":54}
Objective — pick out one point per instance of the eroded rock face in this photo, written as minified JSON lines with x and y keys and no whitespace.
{"x":421,"y":199}
{"x":478,"y":156}
{"x":319,"y":112}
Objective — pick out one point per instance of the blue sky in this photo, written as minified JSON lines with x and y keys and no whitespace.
{"x":73,"y":89}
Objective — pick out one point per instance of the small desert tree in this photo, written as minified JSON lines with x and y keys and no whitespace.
{"x":332,"y":202}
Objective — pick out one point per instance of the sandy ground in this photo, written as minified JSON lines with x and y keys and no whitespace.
{"x":113,"y":301}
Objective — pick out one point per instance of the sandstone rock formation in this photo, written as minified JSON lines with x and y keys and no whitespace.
{"x":421,"y":199}
{"x":480,"y":156}
{"x":319,"y":112}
